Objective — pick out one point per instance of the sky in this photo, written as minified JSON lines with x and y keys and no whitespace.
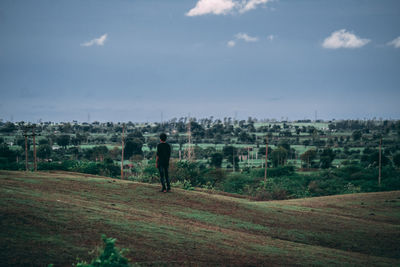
{"x":148,"y":60}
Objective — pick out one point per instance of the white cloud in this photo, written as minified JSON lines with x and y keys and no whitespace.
{"x":344,"y":39}
{"x":231,"y":43}
{"x":96,"y":41}
{"x":216,"y":7}
{"x":223,"y":7}
{"x":395,"y":42}
{"x":271,"y":37}
{"x":245,"y":37}
{"x":251,"y":4}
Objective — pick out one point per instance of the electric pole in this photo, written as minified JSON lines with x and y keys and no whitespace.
{"x":26,"y":150}
{"x":122,"y":154}
{"x":380,"y":161}
{"x":266,"y":162}
{"x":34,"y":149}
{"x":233,"y":158}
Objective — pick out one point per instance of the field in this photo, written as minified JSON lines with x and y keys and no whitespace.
{"x":55,"y":217}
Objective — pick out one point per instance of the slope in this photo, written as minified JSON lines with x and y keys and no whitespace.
{"x":59,"y":216}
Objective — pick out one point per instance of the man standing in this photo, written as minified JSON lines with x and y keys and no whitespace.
{"x":162,"y":161}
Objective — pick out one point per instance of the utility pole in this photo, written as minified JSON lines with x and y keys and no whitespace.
{"x":233,"y":158}
{"x":26,"y":150}
{"x":34,"y":149}
{"x":122,"y":154}
{"x":380,"y":161}
{"x":266,"y":162}
{"x":189,"y":149}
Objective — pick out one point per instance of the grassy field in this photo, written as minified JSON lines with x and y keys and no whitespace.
{"x":59,"y":216}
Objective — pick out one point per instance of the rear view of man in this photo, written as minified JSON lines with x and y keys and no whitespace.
{"x":162,"y":162}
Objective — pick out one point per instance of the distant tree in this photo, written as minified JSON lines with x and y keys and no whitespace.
{"x":396,"y":160}
{"x":44,"y":141}
{"x":136,"y":134}
{"x":133,"y":147}
{"x":279,"y":156}
{"x":44,"y":151}
{"x":6,"y":154}
{"x":326,"y":158}
{"x":308,"y":156}
{"x":21,"y":142}
{"x":356,"y":135}
{"x":8,"y":127}
{"x":152,"y":142}
{"x":63,"y":140}
{"x":230,"y":153}
{"x":216,"y":160}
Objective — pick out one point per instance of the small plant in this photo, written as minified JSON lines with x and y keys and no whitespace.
{"x":185,"y":184}
{"x":111,"y":256}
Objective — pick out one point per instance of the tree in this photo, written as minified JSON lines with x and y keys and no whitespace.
{"x":21,"y":142}
{"x":356,"y":135}
{"x":8,"y":127}
{"x":279,"y":156}
{"x":308,"y":156}
{"x":44,"y":151}
{"x":230,"y":153}
{"x":326,"y":158}
{"x":216,"y":160}
{"x":63,"y":140}
{"x":152,"y":142}
{"x":6,"y":154}
{"x":133,"y":147}
{"x":396,"y":160}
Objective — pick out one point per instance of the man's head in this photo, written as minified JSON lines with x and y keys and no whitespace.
{"x":163,"y":137}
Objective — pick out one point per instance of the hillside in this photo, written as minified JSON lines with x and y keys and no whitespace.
{"x":57,"y":217}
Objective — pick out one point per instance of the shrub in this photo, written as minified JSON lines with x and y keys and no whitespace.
{"x":109,"y":257}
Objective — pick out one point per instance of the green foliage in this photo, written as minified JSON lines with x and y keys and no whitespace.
{"x":216,"y":160}
{"x":279,"y":156}
{"x":63,"y":140}
{"x":185,"y":184}
{"x":273,"y":172}
{"x":187,"y":170}
{"x":111,"y":256}
{"x":236,"y":183}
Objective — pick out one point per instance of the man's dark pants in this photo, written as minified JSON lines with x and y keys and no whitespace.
{"x":164,"y":174}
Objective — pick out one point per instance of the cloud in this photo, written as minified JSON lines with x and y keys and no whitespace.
{"x":395,"y":42}
{"x":223,"y":7}
{"x":344,"y":39}
{"x":216,"y":7}
{"x":96,"y":41}
{"x":245,"y":37}
{"x":252,"y":4}
{"x":241,"y":36}
{"x":231,"y":43}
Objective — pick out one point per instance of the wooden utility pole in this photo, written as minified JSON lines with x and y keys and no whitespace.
{"x":266,"y":161}
{"x":380,"y":161}
{"x":233,"y":158}
{"x":189,"y":149}
{"x":26,"y":150}
{"x":34,"y":149}
{"x":122,"y":154}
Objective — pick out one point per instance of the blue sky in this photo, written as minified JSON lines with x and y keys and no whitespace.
{"x":133,"y":60}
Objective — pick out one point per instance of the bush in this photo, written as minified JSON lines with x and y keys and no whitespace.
{"x":236,"y":183}
{"x":109,"y":257}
